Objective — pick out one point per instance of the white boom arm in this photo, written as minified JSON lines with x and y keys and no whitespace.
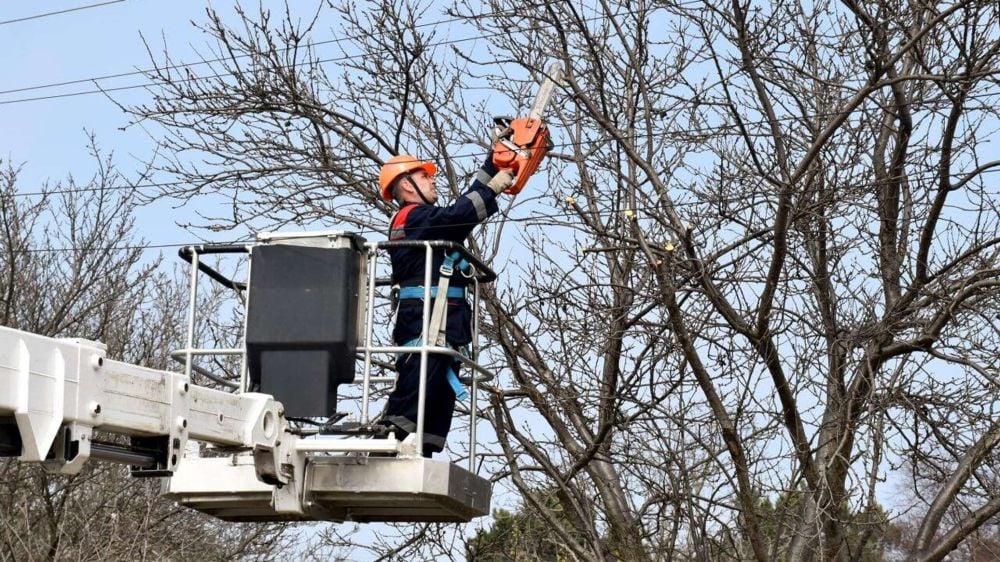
{"x":59,"y":391}
{"x":54,"y":393}
{"x":48,"y":384}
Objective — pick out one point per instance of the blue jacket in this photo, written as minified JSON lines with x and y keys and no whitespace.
{"x":454,"y":223}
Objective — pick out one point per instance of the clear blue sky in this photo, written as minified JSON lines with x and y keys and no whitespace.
{"x":47,"y":135}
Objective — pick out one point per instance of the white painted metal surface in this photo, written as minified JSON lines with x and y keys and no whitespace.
{"x":48,"y":383}
{"x":338,"y":488}
{"x":58,"y":392}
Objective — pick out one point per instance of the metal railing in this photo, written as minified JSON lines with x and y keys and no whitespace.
{"x":192,"y":255}
{"x":367,"y":348}
{"x":479,"y":273}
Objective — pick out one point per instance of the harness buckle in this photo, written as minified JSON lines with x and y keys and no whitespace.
{"x":394,"y":296}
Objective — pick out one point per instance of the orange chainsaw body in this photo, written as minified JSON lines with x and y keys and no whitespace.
{"x":522,"y":150}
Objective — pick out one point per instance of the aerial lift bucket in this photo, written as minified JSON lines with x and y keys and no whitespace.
{"x":325,"y":285}
{"x":229,"y":449}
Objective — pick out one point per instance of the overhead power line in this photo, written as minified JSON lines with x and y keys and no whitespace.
{"x":137,"y":187}
{"x":334,"y":40}
{"x":47,"y":14}
{"x":220,"y":59}
{"x":100,"y":90}
{"x":198,"y":63}
{"x":197,"y":78}
{"x":352,"y":57}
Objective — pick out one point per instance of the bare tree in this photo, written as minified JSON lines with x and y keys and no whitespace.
{"x":764,"y":265}
{"x":71,"y":265}
{"x":289,"y":139}
{"x":817,"y":225}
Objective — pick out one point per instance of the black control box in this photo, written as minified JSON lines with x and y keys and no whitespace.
{"x":302,"y":324}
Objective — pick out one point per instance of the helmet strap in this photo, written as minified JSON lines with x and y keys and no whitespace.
{"x":417,"y":189}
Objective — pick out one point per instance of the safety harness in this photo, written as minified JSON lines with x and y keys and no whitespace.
{"x":437,"y":328}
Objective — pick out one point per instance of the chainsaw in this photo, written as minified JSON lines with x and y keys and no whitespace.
{"x":522,"y":143}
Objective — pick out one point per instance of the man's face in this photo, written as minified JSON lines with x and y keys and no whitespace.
{"x":425,"y":184}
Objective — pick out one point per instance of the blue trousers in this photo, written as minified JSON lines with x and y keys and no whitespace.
{"x":401,"y":411}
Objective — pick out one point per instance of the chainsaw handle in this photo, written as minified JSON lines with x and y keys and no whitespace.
{"x":505,"y":155}
{"x":522,"y":150}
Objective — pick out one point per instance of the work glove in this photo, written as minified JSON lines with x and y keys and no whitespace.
{"x":501,"y":181}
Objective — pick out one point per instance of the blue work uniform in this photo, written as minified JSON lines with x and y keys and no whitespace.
{"x":415,"y":221}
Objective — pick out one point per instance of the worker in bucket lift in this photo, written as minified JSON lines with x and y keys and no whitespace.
{"x":410,"y":182}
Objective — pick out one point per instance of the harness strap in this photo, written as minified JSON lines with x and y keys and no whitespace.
{"x":417,"y":292}
{"x":455,"y":384}
{"x":439,"y":323}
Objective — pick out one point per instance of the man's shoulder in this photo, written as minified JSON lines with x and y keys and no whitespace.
{"x":404,"y":212}
{"x":418,"y":209}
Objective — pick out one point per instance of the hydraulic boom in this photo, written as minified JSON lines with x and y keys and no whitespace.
{"x":244,"y":455}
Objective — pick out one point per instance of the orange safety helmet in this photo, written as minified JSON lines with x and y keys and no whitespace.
{"x":399,"y":165}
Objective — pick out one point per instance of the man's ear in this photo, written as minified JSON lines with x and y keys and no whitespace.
{"x":405,"y":182}
{"x":398,"y":189}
